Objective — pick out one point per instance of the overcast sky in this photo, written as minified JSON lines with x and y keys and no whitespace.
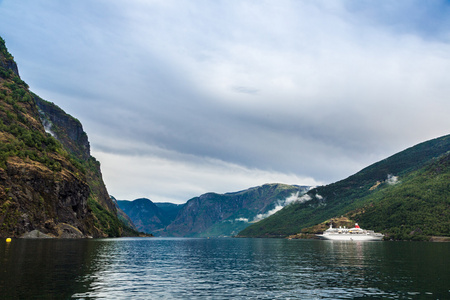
{"x":180,"y":98}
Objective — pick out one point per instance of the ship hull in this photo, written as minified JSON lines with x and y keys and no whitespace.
{"x":349,"y":237}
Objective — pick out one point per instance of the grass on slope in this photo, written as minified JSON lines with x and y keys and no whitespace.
{"x":416,"y":208}
{"x":349,"y":194}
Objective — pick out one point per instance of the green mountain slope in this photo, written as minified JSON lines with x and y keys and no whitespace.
{"x":214,"y":214}
{"x":48,"y":180}
{"x":416,"y":208}
{"x":367,"y":187}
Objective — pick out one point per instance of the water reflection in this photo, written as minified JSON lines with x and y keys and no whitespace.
{"x":41,"y":268}
{"x":152,"y":268}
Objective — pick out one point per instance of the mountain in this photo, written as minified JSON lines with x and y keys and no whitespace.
{"x":169,"y":210}
{"x":415,"y":209}
{"x":210,"y":214}
{"x":124,"y":218}
{"x":214,"y":214}
{"x":148,"y":216}
{"x":405,"y":196}
{"x":48,"y":180}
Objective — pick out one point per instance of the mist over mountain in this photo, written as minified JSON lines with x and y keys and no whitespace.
{"x":406,"y":196}
{"x":212,"y":214}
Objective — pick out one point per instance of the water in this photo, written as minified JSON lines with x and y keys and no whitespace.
{"x":162,"y":268}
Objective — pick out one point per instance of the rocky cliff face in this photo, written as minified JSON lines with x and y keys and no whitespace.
{"x":70,"y":133}
{"x":9,"y":65}
{"x":47,"y":183}
{"x":6,"y":59}
{"x":38,"y":199}
{"x":67,"y":129}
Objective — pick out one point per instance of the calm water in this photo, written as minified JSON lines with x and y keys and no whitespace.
{"x":157,"y":268}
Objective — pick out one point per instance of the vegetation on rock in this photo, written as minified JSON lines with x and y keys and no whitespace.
{"x":48,"y":180}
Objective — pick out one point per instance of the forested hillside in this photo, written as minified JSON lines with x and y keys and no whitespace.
{"x":416,"y":208}
{"x":397,"y":196}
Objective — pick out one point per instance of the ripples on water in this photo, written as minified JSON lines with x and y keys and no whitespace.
{"x":154,"y":268}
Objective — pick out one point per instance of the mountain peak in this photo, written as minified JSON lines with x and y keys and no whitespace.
{"x":6,"y":59}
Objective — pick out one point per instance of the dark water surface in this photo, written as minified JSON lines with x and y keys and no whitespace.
{"x":158,"y":268}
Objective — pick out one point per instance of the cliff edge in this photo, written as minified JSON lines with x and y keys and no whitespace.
{"x":49,"y":182}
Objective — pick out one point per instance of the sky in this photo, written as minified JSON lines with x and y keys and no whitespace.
{"x":180,"y":98}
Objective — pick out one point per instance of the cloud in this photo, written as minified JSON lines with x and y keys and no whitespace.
{"x":242,"y":220}
{"x":166,"y":176}
{"x":245,"y":90}
{"x":392,"y":180}
{"x":260,"y":217}
{"x":293,"y":198}
{"x":290,"y":90}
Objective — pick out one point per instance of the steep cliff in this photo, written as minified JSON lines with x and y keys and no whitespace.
{"x":48,"y":181}
{"x":70,"y":133}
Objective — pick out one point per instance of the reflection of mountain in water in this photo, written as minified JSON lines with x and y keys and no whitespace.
{"x":183,"y":268}
{"x":33,"y":267}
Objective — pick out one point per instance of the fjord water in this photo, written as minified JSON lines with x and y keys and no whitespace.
{"x":164,"y":268}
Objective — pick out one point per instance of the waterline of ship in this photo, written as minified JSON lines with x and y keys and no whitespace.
{"x":350,"y":234}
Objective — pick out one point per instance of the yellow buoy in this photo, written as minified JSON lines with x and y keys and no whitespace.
{"x":8,"y":240}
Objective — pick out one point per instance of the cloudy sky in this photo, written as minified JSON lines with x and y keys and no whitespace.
{"x":180,"y":98}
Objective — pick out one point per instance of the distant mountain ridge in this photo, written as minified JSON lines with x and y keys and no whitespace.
{"x":211,"y":214}
{"x":149,"y":217}
{"x":400,"y":183}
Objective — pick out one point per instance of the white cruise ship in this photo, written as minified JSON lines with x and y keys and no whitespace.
{"x":350,"y":234}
